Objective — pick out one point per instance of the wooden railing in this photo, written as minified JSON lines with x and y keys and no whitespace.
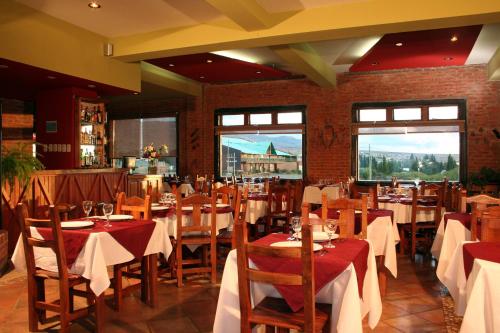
{"x":51,"y":187}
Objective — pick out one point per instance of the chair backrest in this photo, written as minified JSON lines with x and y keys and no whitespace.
{"x":139,"y":208}
{"x":347,"y":209}
{"x":196,"y":201}
{"x":240,"y":211}
{"x":153,"y":192}
{"x":227,"y":195}
{"x":279,"y":199}
{"x":479,"y":203}
{"x":417,"y":205}
{"x":304,"y":279}
{"x":490,"y":224}
{"x":56,"y":244}
{"x":371,"y":190}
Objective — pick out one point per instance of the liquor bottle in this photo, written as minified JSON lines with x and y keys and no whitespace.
{"x":99,"y":115}
{"x":82,"y":113}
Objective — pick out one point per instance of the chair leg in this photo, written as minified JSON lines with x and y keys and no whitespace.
{"x":145,"y":279}
{"x":179,"y":267}
{"x":213,"y":262}
{"x":153,"y":280}
{"x":40,"y":292}
{"x":382,"y":276}
{"x":99,"y":313}
{"x":402,"y":243}
{"x":413,"y":244}
{"x":71,"y":299}
{"x":118,"y":295}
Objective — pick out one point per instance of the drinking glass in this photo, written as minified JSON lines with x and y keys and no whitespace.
{"x":331,"y":228}
{"x":295,"y":220}
{"x":87,"y":207}
{"x":296,"y":226}
{"x":108,"y":210}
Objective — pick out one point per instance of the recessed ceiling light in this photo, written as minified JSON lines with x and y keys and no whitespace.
{"x":202,"y":77}
{"x":91,"y":86}
{"x":209,"y":61}
{"x":4,"y":66}
{"x":94,"y":5}
{"x":399,"y":44}
{"x":51,"y":77}
{"x":136,"y":93}
{"x":375,"y":63}
{"x":258,"y":72}
{"x":454,"y":38}
{"x":448,"y":58}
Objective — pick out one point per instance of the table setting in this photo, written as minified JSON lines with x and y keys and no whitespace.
{"x":312,"y":193}
{"x":401,"y":205}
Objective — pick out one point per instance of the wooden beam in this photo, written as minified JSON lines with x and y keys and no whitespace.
{"x":339,"y":20}
{"x":494,"y":66}
{"x":161,"y":77}
{"x":248,"y":14}
{"x":304,"y":59}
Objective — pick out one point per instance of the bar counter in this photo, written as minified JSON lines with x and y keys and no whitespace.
{"x":52,"y":187}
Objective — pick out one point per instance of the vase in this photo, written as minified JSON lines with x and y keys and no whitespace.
{"x":153,"y":166}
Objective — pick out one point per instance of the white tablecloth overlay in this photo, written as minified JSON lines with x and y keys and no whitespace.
{"x":483,"y":298}
{"x":255,"y":210}
{"x":185,"y":189}
{"x":383,"y":234}
{"x":402,"y":212}
{"x":312,"y":194}
{"x":100,"y":250}
{"x":348,"y":309}
{"x":446,"y":241}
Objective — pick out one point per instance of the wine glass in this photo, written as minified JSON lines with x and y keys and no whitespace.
{"x":296,"y":226}
{"x":108,"y":210}
{"x":295,"y":220}
{"x":87,"y":207}
{"x":331,"y":228}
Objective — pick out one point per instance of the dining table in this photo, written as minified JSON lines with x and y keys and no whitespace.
{"x":313,"y":193}
{"x":382,"y":233}
{"x":472,"y":280}
{"x":91,"y":250}
{"x":401,"y":205}
{"x":345,"y":276}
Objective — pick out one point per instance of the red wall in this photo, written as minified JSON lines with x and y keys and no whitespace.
{"x":59,"y":105}
{"x":333,"y":106}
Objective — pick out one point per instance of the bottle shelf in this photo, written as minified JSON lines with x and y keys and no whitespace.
{"x":86,"y":123}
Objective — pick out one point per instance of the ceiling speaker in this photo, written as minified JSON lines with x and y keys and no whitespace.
{"x":108,"y":49}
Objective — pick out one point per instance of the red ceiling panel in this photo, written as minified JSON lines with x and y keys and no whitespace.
{"x":429,"y":48}
{"x":21,"y":81}
{"x":212,"y":68}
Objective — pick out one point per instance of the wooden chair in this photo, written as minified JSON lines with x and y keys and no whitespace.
{"x":279,"y":205}
{"x":239,"y":210}
{"x":140,"y":209}
{"x":346,"y":208}
{"x":419,"y":231}
{"x":154,"y":193}
{"x":275,"y":312}
{"x":490,"y":224}
{"x":479,"y":203}
{"x":356,"y":191}
{"x":37,"y":305}
{"x":204,"y":235}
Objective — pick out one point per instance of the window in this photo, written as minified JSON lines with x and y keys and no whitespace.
{"x":422,"y":140}
{"x":372,"y":115}
{"x":131,"y":135}
{"x":268,"y":142}
{"x":233,"y":119}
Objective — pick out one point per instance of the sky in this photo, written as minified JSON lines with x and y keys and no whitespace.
{"x":424,"y":143}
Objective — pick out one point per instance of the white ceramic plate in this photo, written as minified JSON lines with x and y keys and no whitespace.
{"x":155,"y":208}
{"x":77,"y":224}
{"x":384,"y":198}
{"x":155,"y":204}
{"x":117,"y":217}
{"x":316,"y":247}
{"x":187,"y":208}
{"x":219,"y":205}
{"x":320,"y":236}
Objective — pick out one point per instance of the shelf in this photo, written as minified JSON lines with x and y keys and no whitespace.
{"x":89,"y":144}
{"x":85,"y":123}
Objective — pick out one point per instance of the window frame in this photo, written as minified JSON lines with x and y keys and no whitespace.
{"x":461,"y":122}
{"x":220,"y":129}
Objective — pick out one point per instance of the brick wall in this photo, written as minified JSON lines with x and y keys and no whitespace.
{"x":333,"y":106}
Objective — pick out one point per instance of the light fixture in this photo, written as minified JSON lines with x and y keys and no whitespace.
{"x":92,"y":86}
{"x":171,"y":65}
{"x":399,"y":44}
{"x":209,"y":61}
{"x":51,"y":77}
{"x":202,"y":77}
{"x":448,"y":58}
{"x":94,"y":5}
{"x":375,"y":63}
{"x":3,"y":66}
{"x":453,"y":38}
{"x":136,"y":93}
{"x":258,"y":72}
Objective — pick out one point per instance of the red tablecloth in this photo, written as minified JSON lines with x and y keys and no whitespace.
{"x":132,"y":235}
{"x":372,"y":215}
{"x":327,"y":267}
{"x":257,"y":197}
{"x":481,"y":250}
{"x":463,"y":218}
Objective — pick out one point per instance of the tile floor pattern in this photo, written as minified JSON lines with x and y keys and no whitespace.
{"x":412,"y":304}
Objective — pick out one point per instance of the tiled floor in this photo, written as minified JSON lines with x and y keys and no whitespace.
{"x":412,"y":304}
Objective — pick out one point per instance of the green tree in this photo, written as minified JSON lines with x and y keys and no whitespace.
{"x":451,"y":163}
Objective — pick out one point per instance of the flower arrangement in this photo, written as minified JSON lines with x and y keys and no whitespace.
{"x":151,"y":152}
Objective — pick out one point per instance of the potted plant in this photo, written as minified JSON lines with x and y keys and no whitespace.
{"x":18,"y":163}
{"x":484,"y":178}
